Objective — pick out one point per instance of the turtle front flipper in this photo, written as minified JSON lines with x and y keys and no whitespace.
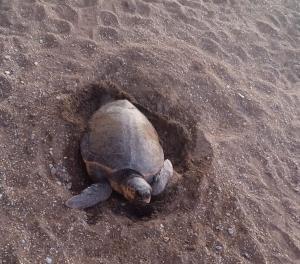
{"x":90,"y":196}
{"x":161,"y":179}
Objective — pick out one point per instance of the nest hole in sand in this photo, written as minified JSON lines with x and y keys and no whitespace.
{"x":190,"y":153}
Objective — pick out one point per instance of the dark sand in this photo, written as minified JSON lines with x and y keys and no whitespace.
{"x":219,"y":80}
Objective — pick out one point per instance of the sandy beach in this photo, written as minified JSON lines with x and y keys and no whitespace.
{"x":219,"y":80}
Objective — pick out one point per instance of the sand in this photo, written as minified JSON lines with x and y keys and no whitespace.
{"x":219,"y":79}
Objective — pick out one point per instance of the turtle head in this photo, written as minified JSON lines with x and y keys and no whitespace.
{"x":137,"y":189}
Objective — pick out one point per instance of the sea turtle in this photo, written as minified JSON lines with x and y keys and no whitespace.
{"x":122,"y":152}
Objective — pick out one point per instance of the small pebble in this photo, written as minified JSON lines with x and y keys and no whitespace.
{"x":219,"y":228}
{"x":7,"y":72}
{"x":166,"y":239}
{"x":218,"y":247}
{"x":246,"y":255}
{"x":22,"y":82}
{"x":53,"y":171}
{"x":7,"y":57}
{"x":231,"y":231}
{"x":35,"y":63}
{"x":59,"y":183}
{"x":23,"y":241}
{"x":242,"y":96}
{"x":1,"y":195}
{"x":41,"y":41}
{"x":49,"y":260}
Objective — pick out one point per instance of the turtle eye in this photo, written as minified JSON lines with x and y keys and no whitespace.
{"x":129,"y":193}
{"x":132,"y":193}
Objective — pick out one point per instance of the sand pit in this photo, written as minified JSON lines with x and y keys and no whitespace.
{"x":219,"y":80}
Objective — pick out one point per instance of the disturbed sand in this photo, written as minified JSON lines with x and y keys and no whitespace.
{"x":220,"y":81}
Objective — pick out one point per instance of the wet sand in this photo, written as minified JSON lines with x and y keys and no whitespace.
{"x":219,"y":80}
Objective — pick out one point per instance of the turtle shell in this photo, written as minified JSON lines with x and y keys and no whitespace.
{"x":121,"y":137}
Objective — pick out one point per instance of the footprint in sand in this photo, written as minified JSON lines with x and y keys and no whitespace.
{"x":58,"y":26}
{"x":109,"y":34}
{"x":5,"y":118}
{"x":49,"y":41}
{"x":68,"y":13}
{"x":109,"y":19}
{"x":5,"y":88}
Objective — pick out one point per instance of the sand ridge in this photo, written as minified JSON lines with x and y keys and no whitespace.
{"x":225,"y":72}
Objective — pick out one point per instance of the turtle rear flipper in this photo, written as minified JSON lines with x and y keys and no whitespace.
{"x":161,"y":179}
{"x":90,"y":196}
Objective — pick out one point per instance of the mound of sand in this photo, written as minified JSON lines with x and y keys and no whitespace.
{"x":219,"y":79}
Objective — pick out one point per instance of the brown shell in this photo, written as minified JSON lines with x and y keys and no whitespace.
{"x":121,"y":137}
